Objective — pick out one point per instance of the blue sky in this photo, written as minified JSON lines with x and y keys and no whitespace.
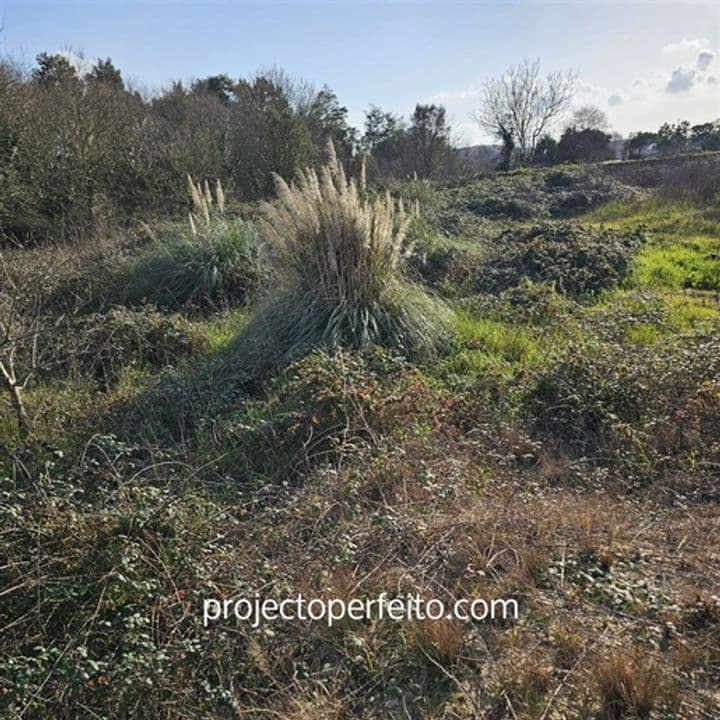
{"x":643,"y":63}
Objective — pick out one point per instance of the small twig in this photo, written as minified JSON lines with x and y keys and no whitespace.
{"x":510,"y":707}
{"x":449,"y":675}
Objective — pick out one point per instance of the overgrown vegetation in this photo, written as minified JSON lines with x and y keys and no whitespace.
{"x":213,"y":263}
{"x":577,"y":261}
{"x":294,"y":412}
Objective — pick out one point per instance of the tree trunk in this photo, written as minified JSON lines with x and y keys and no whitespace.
{"x":17,"y":402}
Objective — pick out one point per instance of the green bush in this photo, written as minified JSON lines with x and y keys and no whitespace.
{"x":578,"y":261}
{"x":215,"y":265}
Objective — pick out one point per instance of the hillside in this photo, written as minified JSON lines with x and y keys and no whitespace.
{"x":536,"y":417}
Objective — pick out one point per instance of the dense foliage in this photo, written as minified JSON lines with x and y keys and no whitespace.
{"x":577,"y":261}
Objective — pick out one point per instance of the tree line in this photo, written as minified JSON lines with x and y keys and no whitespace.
{"x":81,"y":149}
{"x":521,"y":107}
{"x":77,"y":150}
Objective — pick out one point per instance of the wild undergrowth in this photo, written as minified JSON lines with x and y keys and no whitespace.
{"x":212,"y":263}
{"x":546,"y":432}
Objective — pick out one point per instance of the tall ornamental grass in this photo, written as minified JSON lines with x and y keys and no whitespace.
{"x":210,"y":263}
{"x":336,"y":256}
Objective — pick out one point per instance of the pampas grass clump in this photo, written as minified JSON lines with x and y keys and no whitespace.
{"x":210,"y":263}
{"x":337,"y":282}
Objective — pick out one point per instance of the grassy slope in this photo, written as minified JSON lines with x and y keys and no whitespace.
{"x":349,"y":478}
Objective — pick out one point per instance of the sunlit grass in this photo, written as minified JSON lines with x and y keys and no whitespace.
{"x":682,"y":250}
{"x":486,"y":347}
{"x":507,"y":342}
{"x":221,"y":328}
{"x":656,"y":216}
{"x":643,"y":334}
{"x":692,"y":262}
{"x":693,"y":312}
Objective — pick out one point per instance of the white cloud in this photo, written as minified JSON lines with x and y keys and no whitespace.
{"x":450,"y":95}
{"x":81,"y":64}
{"x":615,"y":100}
{"x":705,"y":60}
{"x":681,"y":80}
{"x":587,"y":88}
{"x":685,"y":46}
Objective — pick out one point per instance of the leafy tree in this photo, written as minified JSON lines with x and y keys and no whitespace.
{"x":272,"y":137}
{"x":53,"y":70}
{"x":105,"y":72}
{"x":429,"y":135}
{"x":546,"y":151}
{"x":220,"y":86}
{"x":383,"y":139}
{"x":380,"y":128}
{"x":583,"y":146}
{"x":637,"y":144}
{"x":706,"y":136}
{"x":673,"y":138}
{"x":327,"y":120}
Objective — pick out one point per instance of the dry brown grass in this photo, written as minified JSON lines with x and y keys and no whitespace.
{"x":629,"y":685}
{"x":443,"y":639}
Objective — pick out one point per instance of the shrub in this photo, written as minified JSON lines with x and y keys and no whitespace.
{"x":578,"y":261}
{"x":572,"y":203}
{"x":447,"y":263}
{"x":68,"y":279}
{"x":630,"y":406}
{"x":559,"y":179}
{"x":318,"y":410}
{"x":499,"y":207}
{"x":102,"y":345}
{"x":212,"y":265}
{"x":336,"y":257}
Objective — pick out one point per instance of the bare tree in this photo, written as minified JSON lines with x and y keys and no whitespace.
{"x":520,"y":106}
{"x":14,"y":331}
{"x":589,"y":117}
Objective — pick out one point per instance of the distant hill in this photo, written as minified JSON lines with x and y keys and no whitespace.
{"x":483,"y":157}
{"x":491,"y":152}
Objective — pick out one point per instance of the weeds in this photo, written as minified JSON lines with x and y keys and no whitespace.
{"x":629,"y":686}
{"x":577,"y":261}
{"x":561,"y":448}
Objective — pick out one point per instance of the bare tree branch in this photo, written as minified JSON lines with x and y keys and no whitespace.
{"x":521,"y":106}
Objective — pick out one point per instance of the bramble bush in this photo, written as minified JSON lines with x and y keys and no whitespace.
{"x":578,"y":261}
{"x":642,"y":409}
